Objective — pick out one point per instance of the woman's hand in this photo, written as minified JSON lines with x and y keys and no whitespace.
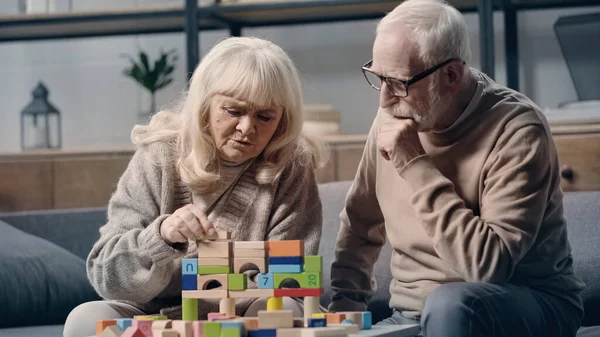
{"x":189,"y":223}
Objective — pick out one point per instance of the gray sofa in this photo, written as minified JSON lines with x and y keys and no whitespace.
{"x":69,"y":234}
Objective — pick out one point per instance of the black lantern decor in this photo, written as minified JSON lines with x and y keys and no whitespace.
{"x":40,"y":122}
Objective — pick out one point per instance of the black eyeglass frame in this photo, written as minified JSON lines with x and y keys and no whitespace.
{"x":365,"y":68}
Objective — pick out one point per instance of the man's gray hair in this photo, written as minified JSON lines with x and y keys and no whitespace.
{"x":439,"y":30}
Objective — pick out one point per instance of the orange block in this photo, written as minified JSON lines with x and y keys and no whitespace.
{"x":286,"y":248}
{"x":335,"y":318}
{"x":101,"y":325}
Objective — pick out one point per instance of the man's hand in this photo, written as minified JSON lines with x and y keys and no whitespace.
{"x":398,"y":141}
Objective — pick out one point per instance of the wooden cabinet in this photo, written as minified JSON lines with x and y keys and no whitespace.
{"x":71,"y":179}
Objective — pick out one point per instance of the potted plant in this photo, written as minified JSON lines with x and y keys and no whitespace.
{"x":152,"y":78}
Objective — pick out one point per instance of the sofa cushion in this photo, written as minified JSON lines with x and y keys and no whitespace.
{"x":41,"y":282}
{"x":33,"y":331}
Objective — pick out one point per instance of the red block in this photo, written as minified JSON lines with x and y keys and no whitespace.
{"x":133,"y":332}
{"x":144,"y":326}
{"x":298,"y":292}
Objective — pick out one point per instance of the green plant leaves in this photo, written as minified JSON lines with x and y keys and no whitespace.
{"x":152,"y":78}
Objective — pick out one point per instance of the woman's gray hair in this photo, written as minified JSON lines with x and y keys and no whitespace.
{"x":439,"y":30}
{"x":249,"y":69}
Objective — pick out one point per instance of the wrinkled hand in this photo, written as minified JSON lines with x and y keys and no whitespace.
{"x":398,"y":141}
{"x":189,"y":223}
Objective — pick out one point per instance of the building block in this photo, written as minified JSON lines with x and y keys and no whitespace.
{"x":189,"y":282}
{"x":286,"y":260}
{"x":205,"y":280}
{"x":252,"y":293}
{"x":240,"y":262}
{"x":213,"y":261}
{"x":298,"y":322}
{"x":316,"y":322}
{"x":212,"y":329}
{"x":133,"y":332}
{"x":403,"y":330}
{"x":314,"y":279}
{"x":143,"y":318}
{"x":189,"y":266}
{"x":319,"y":315}
{"x":280,"y":277}
{"x":162,"y":324}
{"x":324,"y":332}
{"x":214,"y":248}
{"x":189,"y":308}
{"x":103,"y":324}
{"x":167,"y":333}
{"x":124,"y":323}
{"x":367,"y":320}
{"x":145,"y":326}
{"x":311,"y":306}
{"x":227,"y":306}
{"x":249,"y":253}
{"x":218,"y":235}
{"x":335,"y":318}
{"x":237,"y":281}
{"x":183,"y":328}
{"x":355,"y":317}
{"x":262,"y":333}
{"x":253,"y":245}
{"x":210,"y":270}
{"x":285,"y":268}
{"x":286,"y":248}
{"x":348,"y":327}
{"x":298,"y":292}
{"x":289,"y":332}
{"x":198,"y":328}
{"x":232,"y":329}
{"x":212,"y":316}
{"x":275,"y":319}
{"x":265,"y":281}
{"x":274,"y":303}
{"x":111,"y":331}
{"x":198,"y":294}
{"x":249,"y":322}
{"x":313,"y":263}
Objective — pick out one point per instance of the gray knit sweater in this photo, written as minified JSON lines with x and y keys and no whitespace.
{"x":132,"y":263}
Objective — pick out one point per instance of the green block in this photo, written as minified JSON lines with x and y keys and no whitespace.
{"x":159,"y":318}
{"x":313,"y":279}
{"x":230,"y":332}
{"x":210,"y":270}
{"x":313,"y":263}
{"x":190,"y":309}
{"x":280,"y":277}
{"x":212,"y":329}
{"x":237,"y":281}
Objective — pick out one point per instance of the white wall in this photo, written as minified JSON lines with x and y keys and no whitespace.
{"x":99,"y":105}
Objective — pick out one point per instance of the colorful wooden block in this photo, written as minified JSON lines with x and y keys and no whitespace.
{"x":143,"y":318}
{"x":210,"y":270}
{"x":111,"y":331}
{"x":227,"y":306}
{"x":311,"y":306}
{"x":280,"y":277}
{"x":214,"y":249}
{"x":218,"y":235}
{"x":241,"y":264}
{"x":213,"y":261}
{"x":232,"y":329}
{"x":367,"y":320}
{"x":212,"y":329}
{"x":317,"y":322}
{"x":253,"y":245}
{"x":249,"y":253}
{"x":286,"y":248}
{"x":252,"y":293}
{"x":265,"y":281}
{"x":189,"y":266}
{"x":275,"y":319}
{"x":167,"y":333}
{"x":198,"y":328}
{"x":205,"y":280}
{"x":124,"y":323}
{"x":103,"y":324}
{"x":189,"y":308}
{"x":354,"y":317}
{"x":348,"y":328}
{"x":313,"y":279}
{"x":295,"y":292}
{"x":286,"y":260}
{"x":319,"y":315}
{"x":334,"y":318}
{"x":298,"y":322}
{"x":133,"y":332}
{"x":289,"y":332}
{"x":313,"y":263}
{"x":183,"y":328}
{"x":189,"y":282}
{"x":214,"y":315}
{"x":237,"y":281}
{"x":162,"y":324}
{"x":145,"y":326}
{"x":285,"y":268}
{"x":324,"y":332}
{"x":249,"y":322}
{"x":262,"y":333}
{"x":198,"y":294}
{"x":274,"y":303}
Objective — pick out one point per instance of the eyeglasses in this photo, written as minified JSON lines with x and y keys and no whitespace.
{"x":397,"y":86}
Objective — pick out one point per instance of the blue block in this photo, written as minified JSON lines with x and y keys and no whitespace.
{"x":124,"y":323}
{"x":189,"y":266}
{"x":262,"y":333}
{"x":237,"y":325}
{"x":285,"y":268}
{"x":367,"y":320}
{"x":189,"y":282}
{"x":286,"y":260}
{"x":317,"y":322}
{"x":266,"y":281}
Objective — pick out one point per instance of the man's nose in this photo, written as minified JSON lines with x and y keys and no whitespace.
{"x":386,"y":96}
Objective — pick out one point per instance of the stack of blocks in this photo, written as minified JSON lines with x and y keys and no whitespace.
{"x":221,"y":260}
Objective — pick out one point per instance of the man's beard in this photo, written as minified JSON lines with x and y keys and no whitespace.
{"x":426,"y":113}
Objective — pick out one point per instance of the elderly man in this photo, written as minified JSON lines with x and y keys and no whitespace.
{"x":461,"y":175}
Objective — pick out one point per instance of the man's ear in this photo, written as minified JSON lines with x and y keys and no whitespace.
{"x":453,"y":75}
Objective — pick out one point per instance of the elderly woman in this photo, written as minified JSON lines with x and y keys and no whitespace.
{"x":232,"y":158}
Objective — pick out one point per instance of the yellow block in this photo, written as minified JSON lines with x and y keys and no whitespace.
{"x":319,"y":315}
{"x":274,"y":303}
